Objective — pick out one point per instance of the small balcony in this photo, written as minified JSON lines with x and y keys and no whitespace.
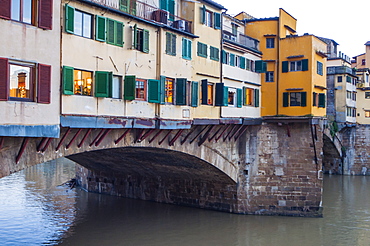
{"x":239,"y":38}
{"x":340,"y":70}
{"x":149,"y":13}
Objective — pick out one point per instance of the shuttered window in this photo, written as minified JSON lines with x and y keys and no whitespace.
{"x":186,"y":48}
{"x":194,"y":93}
{"x":217,"y":20}
{"x":181,"y":91}
{"x":44,"y":83}
{"x":202,"y":50}
{"x":320,"y":68}
{"x":154,"y":92}
{"x":114,"y":32}
{"x":67,"y":80}
{"x":129,"y":87}
{"x":170,"y":44}
{"x":260,"y":66}
{"x":5,"y":9}
{"x":285,"y":67}
{"x":295,"y":99}
{"x":4,"y":78}
{"x":103,"y":84}
{"x":214,"y":53}
{"x":100,"y":28}
{"x":322,"y":99}
{"x":140,"y":39}
{"x":45,"y":14}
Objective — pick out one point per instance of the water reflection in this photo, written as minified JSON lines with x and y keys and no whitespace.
{"x":34,"y":211}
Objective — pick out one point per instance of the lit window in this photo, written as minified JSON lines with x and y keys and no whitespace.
{"x":367,"y":114}
{"x":249,"y":92}
{"x":210,"y":94}
{"x":169,"y":89}
{"x":231,"y":97}
{"x":140,"y":89}
{"x":82,"y":82}
{"x":21,"y":81}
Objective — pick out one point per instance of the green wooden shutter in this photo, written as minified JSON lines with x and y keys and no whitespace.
{"x":101,"y":84}
{"x":204,"y":88}
{"x":322,"y":100}
{"x":168,"y":43}
{"x":145,"y":41}
{"x":260,"y":66}
{"x":163,"y":4}
{"x":124,"y":5}
{"x":285,"y":66}
{"x":129,"y":87}
{"x":154,"y":93}
{"x":314,"y":99}
{"x":171,"y":9}
{"x":239,"y":98}
{"x":256,"y":98}
{"x":110,"y":31}
{"x":232,"y":59}
{"x":305,"y":65}
{"x":119,"y":34}
{"x":69,"y":18}
{"x":217,"y":20}
{"x":189,"y":48}
{"x":100,"y":28}
{"x":285,"y":99}
{"x":221,"y":96}
{"x":134,"y":39}
{"x":303,"y":99}
{"x":162,"y":89}
{"x":244,"y":96}
{"x":173,"y":45}
{"x":68,"y":81}
{"x":194,"y":93}
{"x":110,"y":82}
{"x":226,"y":96}
{"x":264,"y":67}
{"x":181,"y":91}
{"x":223,"y":57}
{"x":242,"y":62}
{"x":203,"y":14}
{"x":133,"y":7}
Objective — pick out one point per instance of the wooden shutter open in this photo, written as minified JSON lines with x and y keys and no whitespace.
{"x":4,"y":79}
{"x":162,"y":80}
{"x":119,"y":34}
{"x":285,"y":66}
{"x":154,"y":94}
{"x":102,"y":84}
{"x":239,"y":97}
{"x":129,"y":87}
{"x":303,"y":99}
{"x":194,"y":93}
{"x":69,"y":18}
{"x":217,"y":20}
{"x":100,"y":28}
{"x":203,"y":14}
{"x":43,"y":83}
{"x":219,"y":94}
{"x":68,"y":82}
{"x":285,"y":99}
{"x":45,"y":14}
{"x":305,"y":65}
{"x":145,"y":41}
{"x":5,"y":9}
{"x":256,"y":98}
{"x":204,"y":88}
{"x":181,"y":91}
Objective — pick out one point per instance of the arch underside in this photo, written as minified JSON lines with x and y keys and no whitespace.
{"x":156,"y":174}
{"x":332,"y":161}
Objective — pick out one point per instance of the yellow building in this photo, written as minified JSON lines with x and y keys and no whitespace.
{"x":295,"y":79}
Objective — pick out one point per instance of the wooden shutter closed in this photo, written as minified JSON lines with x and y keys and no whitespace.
{"x":181,"y":91}
{"x":217,"y":20}
{"x":256,"y":98}
{"x":5,"y":9}
{"x":119,"y":34}
{"x":162,"y":80}
{"x":110,"y":31}
{"x":102,"y":84}
{"x":145,"y":41}
{"x":304,"y":99}
{"x":68,"y":80}
{"x":305,"y":65}
{"x":171,"y":9}
{"x":203,"y":14}
{"x":285,"y":66}
{"x":194,"y":93}
{"x":260,"y":66}
{"x":314,"y":99}
{"x":219,"y":94}
{"x":43,"y":83}
{"x":45,"y":14}
{"x":100,"y":32}
{"x":285,"y":99}
{"x":204,"y":86}
{"x":322,"y":100}
{"x":239,"y":98}
{"x":154,"y":93}
{"x":4,"y":79}
{"x":129,"y":87}
{"x":69,"y":18}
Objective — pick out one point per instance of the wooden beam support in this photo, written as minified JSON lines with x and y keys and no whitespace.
{"x":141,"y":131}
{"x":205,"y":136}
{"x":97,"y":143}
{"x":168,"y":133}
{"x":241,"y":133}
{"x":178,"y":134}
{"x":147,"y":134}
{"x":21,"y":151}
{"x":222,"y":133}
{"x":41,"y":144}
{"x":156,"y":135}
{"x":232,"y":129}
{"x":200,"y":132}
{"x":62,"y":140}
{"x":188,"y":135}
{"x":74,"y":138}
{"x":122,"y":136}
{"x":84,"y":138}
{"x":235,"y":132}
{"x":96,"y":138}
{"x":46,"y":145}
{"x":214,"y":135}
{"x":1,"y":142}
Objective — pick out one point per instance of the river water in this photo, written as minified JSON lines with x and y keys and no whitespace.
{"x":37,"y":209}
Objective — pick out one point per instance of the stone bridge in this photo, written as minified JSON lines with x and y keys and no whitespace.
{"x":270,"y":168}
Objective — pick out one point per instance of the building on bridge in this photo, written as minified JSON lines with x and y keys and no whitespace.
{"x":294,"y":83}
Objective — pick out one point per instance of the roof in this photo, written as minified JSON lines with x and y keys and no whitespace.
{"x":327,"y":40}
{"x":261,"y":19}
{"x":214,"y":4}
{"x":367,"y":43}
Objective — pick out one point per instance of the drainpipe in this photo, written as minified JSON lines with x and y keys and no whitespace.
{"x":278,"y":66}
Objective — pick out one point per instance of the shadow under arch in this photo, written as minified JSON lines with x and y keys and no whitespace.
{"x":157,"y":174}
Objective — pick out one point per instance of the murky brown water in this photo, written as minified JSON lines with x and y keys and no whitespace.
{"x":35,"y":211}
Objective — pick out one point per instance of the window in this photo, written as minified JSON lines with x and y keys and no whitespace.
{"x":225,"y":57}
{"x":169,"y":91}
{"x":339,"y":79}
{"x":242,"y":62}
{"x":141,"y":39}
{"x":232,"y":59}
{"x":209,"y":18}
{"x":202,"y":50}
{"x":168,"y":5}
{"x":270,"y":43}
{"x":82,"y":82}
{"x":234,"y":29}
{"x":210,"y":94}
{"x":367,"y":114}
{"x":294,"y":99}
{"x":116,"y":86}
{"x":82,"y":24}
{"x":186,"y":48}
{"x":351,"y":112}
{"x":140,"y":89}
{"x":24,"y":81}
{"x":249,"y":93}
{"x":214,"y":53}
{"x":367,"y":95}
{"x":320,"y":70}
{"x":170,"y":44}
{"x":128,"y":6}
{"x":231,"y":99}
{"x":114,"y":32}
{"x":269,"y":76}
{"x":348,"y":79}
{"x":37,"y":13}
{"x":296,"y":66}
{"x":207,"y":92}
{"x":363,"y":62}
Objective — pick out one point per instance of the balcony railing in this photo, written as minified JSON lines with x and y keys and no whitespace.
{"x":148,"y":12}
{"x":239,"y":38}
{"x":340,"y":70}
